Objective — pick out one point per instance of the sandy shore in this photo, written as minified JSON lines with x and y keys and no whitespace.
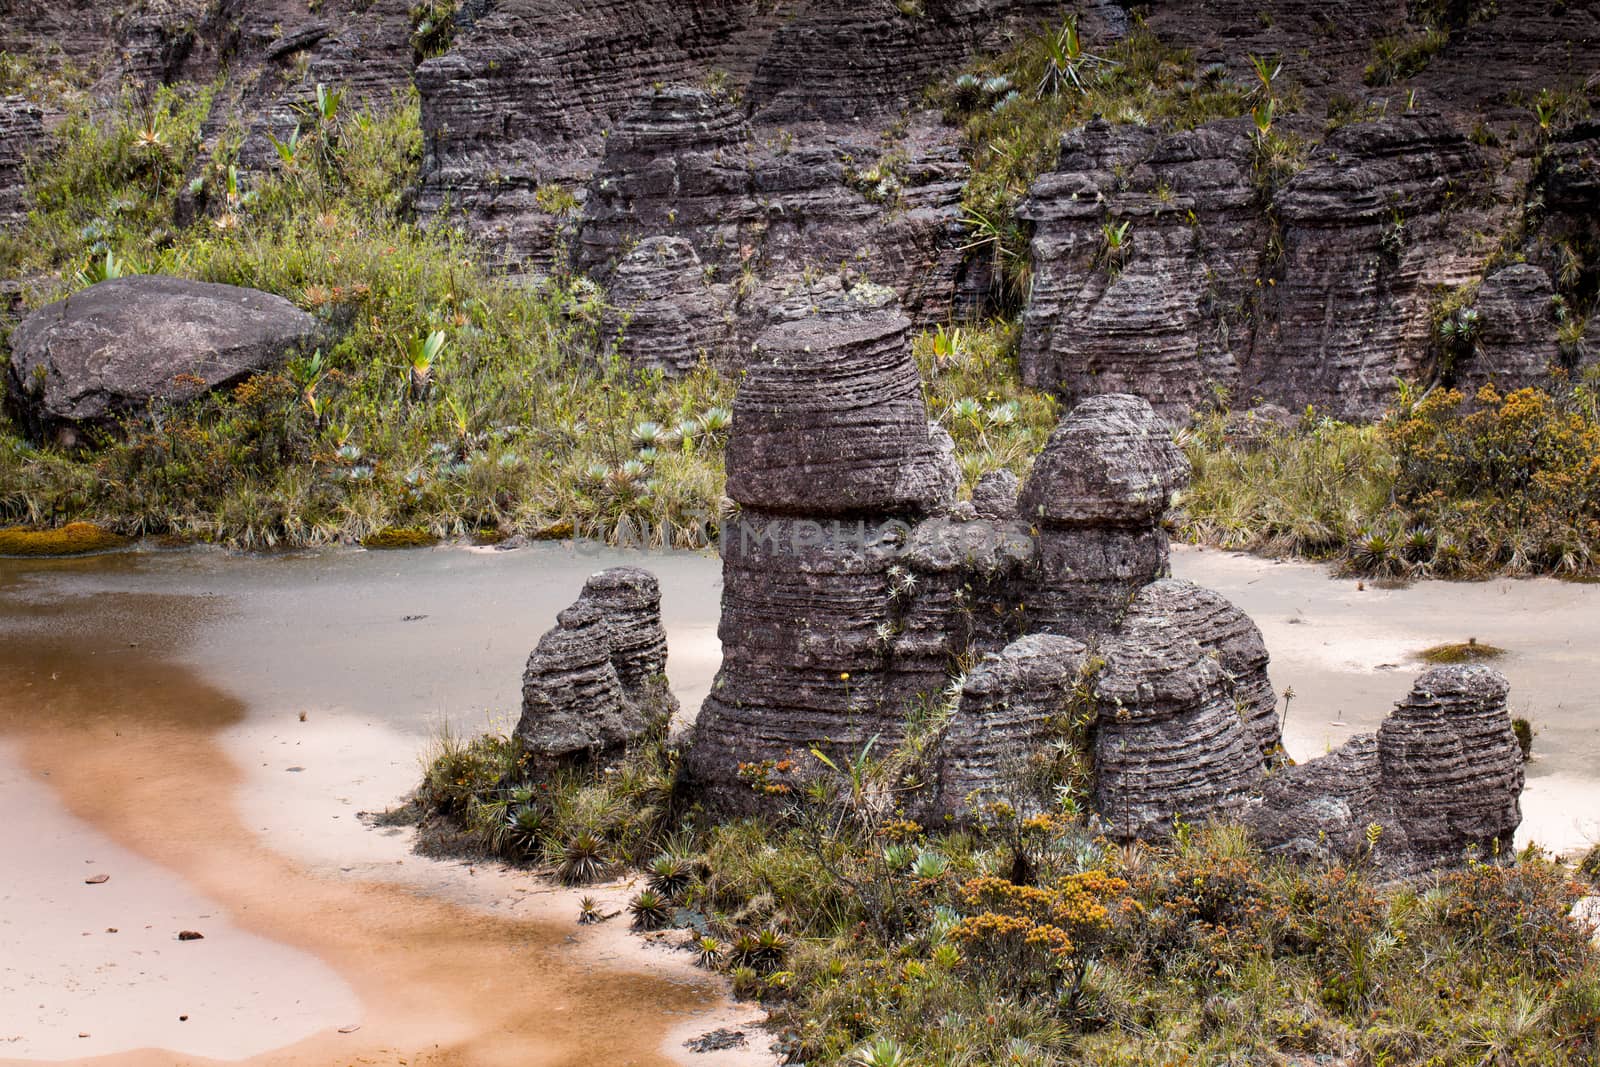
{"x":326,"y":940}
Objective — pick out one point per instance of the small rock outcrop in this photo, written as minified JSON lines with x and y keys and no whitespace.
{"x":1443,"y":775}
{"x":116,"y":347}
{"x":596,"y":680}
{"x":1019,"y":692}
{"x":1170,"y":741}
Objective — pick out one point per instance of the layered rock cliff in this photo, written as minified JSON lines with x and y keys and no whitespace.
{"x":1303,"y":265}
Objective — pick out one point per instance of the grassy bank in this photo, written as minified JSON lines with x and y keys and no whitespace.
{"x":872,"y":940}
{"x":452,"y":401}
{"x":1443,"y":486}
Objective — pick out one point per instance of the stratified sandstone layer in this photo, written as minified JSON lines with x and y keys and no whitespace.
{"x":831,"y":419}
{"x":1441,"y":779}
{"x":597,"y":679}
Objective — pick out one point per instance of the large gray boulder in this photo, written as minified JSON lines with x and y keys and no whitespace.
{"x":112,"y":349}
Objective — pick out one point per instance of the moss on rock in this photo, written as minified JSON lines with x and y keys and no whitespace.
{"x":400,"y":537}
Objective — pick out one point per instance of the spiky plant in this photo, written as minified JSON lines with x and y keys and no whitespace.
{"x":589,"y":911}
{"x":930,"y":864}
{"x":670,"y":874}
{"x":881,"y":1052}
{"x":524,"y":829}
{"x":648,"y":434}
{"x":898,"y":857}
{"x":771,"y":949}
{"x":650,"y":910}
{"x":744,"y":949}
{"x":583,"y":858}
{"x":716,"y":421}
{"x":708,"y":952}
{"x":1375,"y":552}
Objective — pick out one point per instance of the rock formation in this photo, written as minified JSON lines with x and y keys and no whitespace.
{"x":781,"y":141}
{"x":597,"y":680}
{"x":831,"y":461}
{"x":1442,"y":775}
{"x":854,"y":587}
{"x":1098,"y":493}
{"x":112,"y":349}
{"x":1170,"y":741}
{"x":1018,"y":692}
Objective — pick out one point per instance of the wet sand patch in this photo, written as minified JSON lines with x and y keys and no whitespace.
{"x":135,"y":745}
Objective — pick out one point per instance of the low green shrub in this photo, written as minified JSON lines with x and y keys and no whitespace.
{"x":1031,"y":939}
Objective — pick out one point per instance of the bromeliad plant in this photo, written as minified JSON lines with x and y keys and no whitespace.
{"x":422,"y":352}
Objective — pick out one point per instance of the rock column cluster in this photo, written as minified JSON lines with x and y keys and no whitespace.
{"x":856,"y":589}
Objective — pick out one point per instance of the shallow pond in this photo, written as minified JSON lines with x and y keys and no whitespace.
{"x":205,"y":728}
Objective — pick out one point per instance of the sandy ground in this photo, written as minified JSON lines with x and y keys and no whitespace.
{"x":151,"y":730}
{"x":218,"y":809}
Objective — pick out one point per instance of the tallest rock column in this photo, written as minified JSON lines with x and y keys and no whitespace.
{"x":831,"y":461}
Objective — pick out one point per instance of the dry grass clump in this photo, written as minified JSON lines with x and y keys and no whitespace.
{"x":1468,"y":651}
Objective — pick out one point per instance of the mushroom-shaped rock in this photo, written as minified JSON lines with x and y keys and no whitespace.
{"x":595,"y":681}
{"x":1097,"y":494}
{"x":831,"y":419}
{"x":112,"y":349}
{"x":1111,"y":461}
{"x":1008,"y":705}
{"x":1169,"y":743}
